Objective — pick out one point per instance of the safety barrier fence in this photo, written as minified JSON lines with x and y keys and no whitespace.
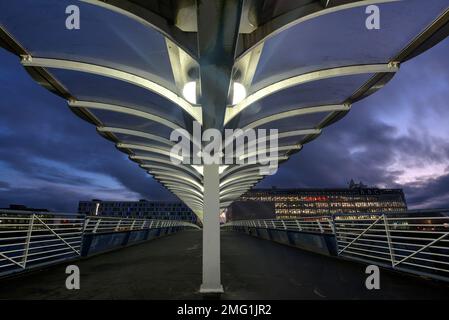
{"x":314,"y":224}
{"x":414,"y":243}
{"x":34,"y":239}
{"x":98,"y":224}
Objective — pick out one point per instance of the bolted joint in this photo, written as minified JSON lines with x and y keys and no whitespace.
{"x":394,"y":65}
{"x":26,"y":58}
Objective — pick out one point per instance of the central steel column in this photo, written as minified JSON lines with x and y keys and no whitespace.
{"x":211,"y":231}
{"x":218,"y":26}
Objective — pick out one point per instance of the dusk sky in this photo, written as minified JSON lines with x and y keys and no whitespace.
{"x":397,"y":138}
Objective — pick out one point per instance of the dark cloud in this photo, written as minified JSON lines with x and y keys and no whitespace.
{"x":430,"y":194}
{"x":4,"y":185}
{"x":61,"y":197}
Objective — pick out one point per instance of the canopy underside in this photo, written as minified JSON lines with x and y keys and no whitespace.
{"x":302,"y":63}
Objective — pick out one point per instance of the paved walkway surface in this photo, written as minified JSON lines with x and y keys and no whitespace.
{"x":170,"y":268}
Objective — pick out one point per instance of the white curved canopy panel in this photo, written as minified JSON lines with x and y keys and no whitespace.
{"x":125,"y":71}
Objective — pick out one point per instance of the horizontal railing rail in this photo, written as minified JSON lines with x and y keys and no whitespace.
{"x":33,"y":239}
{"x":102,"y":224}
{"x":415,"y":242}
{"x":314,"y":224}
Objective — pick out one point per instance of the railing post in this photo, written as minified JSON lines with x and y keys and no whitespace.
{"x":118,"y":225}
{"x":332,"y":224}
{"x":96,"y":226}
{"x":320,"y":226}
{"x":390,"y":247}
{"x":299,"y":225}
{"x":86,"y":223}
{"x":28,"y":240}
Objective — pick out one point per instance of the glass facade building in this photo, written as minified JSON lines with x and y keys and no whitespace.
{"x":163,"y":210}
{"x":294,"y":203}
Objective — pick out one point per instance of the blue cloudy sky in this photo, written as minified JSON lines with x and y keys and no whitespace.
{"x":399,"y":137}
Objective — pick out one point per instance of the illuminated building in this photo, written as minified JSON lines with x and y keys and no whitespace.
{"x":294,"y":203}
{"x":170,"y":210}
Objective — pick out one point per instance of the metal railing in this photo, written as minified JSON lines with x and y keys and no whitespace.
{"x":314,"y":224}
{"x":32,"y":239}
{"x":99,"y":224}
{"x":415,"y":242}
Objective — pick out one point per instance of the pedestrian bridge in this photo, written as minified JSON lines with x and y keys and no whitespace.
{"x":141,"y":70}
{"x":264,"y":259}
{"x":170,"y":268}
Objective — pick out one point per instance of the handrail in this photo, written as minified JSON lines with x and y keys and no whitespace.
{"x":34,"y":238}
{"x":414,"y":242}
{"x":302,"y":225}
{"x":99,"y":224}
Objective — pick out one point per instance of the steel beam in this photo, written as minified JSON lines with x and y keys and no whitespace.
{"x":233,"y":195}
{"x":136,"y":133}
{"x":242,"y":182}
{"x":296,"y":113}
{"x":124,"y":110}
{"x":169,"y":168}
{"x":233,"y":111}
{"x":264,"y":151}
{"x":193,"y":111}
{"x":156,"y":150}
{"x":173,"y":170}
{"x":243,"y":187}
{"x":161,"y":161}
{"x":184,"y":193}
{"x":176,"y":185}
{"x":170,"y":179}
{"x":254,"y":170}
{"x":280,"y":136}
{"x":162,"y":175}
{"x":237,"y":167}
{"x":238,"y":177}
